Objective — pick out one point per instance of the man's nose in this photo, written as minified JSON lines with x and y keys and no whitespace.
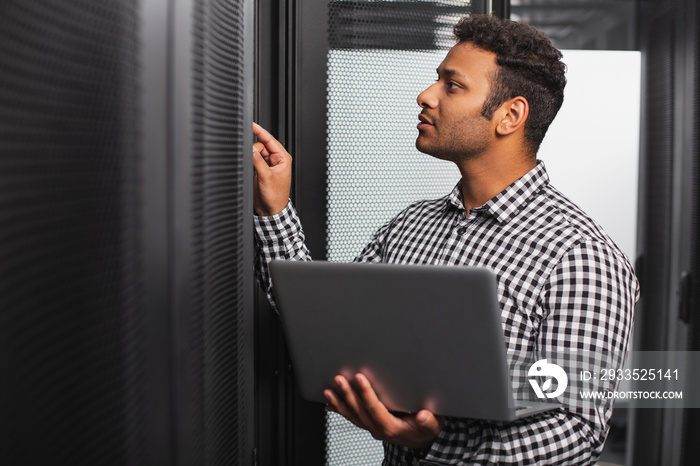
{"x":427,"y":98}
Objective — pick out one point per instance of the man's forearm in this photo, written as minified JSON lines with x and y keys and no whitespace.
{"x":556,"y":437}
{"x":277,"y":237}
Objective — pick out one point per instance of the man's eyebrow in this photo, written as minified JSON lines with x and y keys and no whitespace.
{"x":450,"y":72}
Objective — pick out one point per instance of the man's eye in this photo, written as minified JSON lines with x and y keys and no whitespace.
{"x":452,"y":85}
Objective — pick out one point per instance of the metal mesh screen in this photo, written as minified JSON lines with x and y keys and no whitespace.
{"x":383,"y":54}
{"x":218,"y":200}
{"x":71,"y":332}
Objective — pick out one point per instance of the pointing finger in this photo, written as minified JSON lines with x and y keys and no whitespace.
{"x":270,"y":143}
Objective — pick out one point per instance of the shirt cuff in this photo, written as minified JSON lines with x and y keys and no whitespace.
{"x":456,"y":439}
{"x":278,"y":228}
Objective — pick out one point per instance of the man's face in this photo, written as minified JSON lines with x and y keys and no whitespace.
{"x":451,"y":125}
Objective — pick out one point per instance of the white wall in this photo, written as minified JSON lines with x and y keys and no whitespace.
{"x":592,"y":148}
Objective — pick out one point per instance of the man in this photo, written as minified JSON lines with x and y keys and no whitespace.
{"x":563,"y":284}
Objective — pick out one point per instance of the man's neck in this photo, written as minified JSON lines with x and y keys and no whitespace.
{"x":486,"y":177}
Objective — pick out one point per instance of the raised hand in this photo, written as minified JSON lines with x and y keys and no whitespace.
{"x":273,"y":174}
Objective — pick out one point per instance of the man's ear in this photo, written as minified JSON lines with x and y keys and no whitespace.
{"x":513,"y":114}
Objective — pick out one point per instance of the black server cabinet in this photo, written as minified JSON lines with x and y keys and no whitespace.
{"x":668,"y":228}
{"x":125,"y":232}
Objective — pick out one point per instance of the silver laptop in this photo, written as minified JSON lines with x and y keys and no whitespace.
{"x":425,"y":336}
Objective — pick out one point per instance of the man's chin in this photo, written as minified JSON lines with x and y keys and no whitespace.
{"x":422,"y":147}
{"x":430,"y":150}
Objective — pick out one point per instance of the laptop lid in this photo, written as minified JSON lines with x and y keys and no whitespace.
{"x":425,"y":336}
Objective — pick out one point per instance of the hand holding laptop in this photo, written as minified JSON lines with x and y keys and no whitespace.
{"x":359,"y":404}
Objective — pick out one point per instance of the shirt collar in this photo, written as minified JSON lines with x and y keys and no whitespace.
{"x":511,"y":200}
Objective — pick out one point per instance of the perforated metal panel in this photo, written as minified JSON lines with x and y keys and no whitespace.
{"x":374,"y":169}
{"x":218,"y":200}
{"x":71,"y":341}
{"x":383,"y":54}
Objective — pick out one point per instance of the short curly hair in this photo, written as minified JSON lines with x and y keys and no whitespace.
{"x":529,"y":66}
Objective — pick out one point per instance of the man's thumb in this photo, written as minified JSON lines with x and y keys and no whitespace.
{"x":427,"y":421}
{"x":259,"y":163}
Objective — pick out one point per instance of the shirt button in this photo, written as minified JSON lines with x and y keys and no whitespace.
{"x":461,"y":230}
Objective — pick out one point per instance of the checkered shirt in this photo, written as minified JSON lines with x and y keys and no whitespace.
{"x":564,"y":287}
